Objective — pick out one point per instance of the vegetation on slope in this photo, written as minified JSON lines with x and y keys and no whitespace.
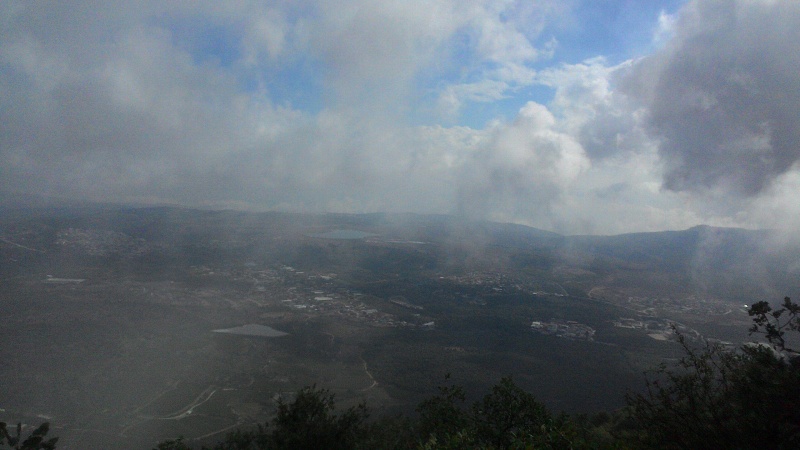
{"x":713,"y":398}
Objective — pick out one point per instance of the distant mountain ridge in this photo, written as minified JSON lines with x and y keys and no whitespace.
{"x":724,"y":262}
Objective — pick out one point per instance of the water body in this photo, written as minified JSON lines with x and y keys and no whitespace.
{"x":343,"y":234}
{"x":253,"y":330}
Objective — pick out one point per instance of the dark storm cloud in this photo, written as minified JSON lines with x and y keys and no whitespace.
{"x":723,"y":96}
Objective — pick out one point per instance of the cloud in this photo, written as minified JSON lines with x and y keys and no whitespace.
{"x":112,"y":123}
{"x":501,"y":41}
{"x":665,"y":30}
{"x":125,"y":106}
{"x":721,"y":95}
{"x":700,"y":131}
{"x":312,"y":106}
{"x":589,"y":107}
{"x":522,"y":169}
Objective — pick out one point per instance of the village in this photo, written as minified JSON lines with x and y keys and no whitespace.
{"x":316,"y":294}
{"x":567,"y":329}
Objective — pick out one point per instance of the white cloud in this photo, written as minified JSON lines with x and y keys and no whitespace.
{"x":522,"y":170}
{"x":665,"y":30}
{"x":266,"y":33}
{"x":590,"y":108}
{"x":109,"y":102}
{"x":502,"y":40}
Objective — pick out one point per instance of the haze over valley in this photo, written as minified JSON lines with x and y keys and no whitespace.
{"x":127,"y":325}
{"x":206,"y":206}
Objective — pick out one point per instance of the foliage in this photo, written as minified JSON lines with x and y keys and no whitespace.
{"x":172,"y":444}
{"x":713,"y":398}
{"x":508,"y":411}
{"x":774,"y":323}
{"x":719,"y":398}
{"x":443,"y":413}
{"x":507,"y":417}
{"x":389,"y":432}
{"x":36,"y":441}
{"x":309,"y":423}
{"x":465,"y":438}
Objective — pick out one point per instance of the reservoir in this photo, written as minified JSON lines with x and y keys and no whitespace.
{"x":343,"y":234}
{"x":253,"y":330}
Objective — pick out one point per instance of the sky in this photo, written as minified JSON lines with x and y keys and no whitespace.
{"x":575,"y":116}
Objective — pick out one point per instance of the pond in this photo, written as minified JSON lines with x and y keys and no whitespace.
{"x":343,"y":234}
{"x":253,"y":330}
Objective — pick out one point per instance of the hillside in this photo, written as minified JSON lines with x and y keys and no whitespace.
{"x":125,"y":302}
